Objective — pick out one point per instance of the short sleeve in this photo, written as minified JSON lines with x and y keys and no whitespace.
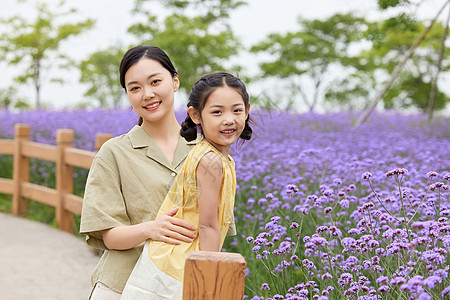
{"x":103,"y":204}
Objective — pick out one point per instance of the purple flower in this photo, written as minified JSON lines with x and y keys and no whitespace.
{"x":431,"y":281}
{"x":345,"y":279}
{"x":256,"y":248}
{"x":366,"y":175}
{"x":432,"y":174}
{"x":398,"y":171}
{"x":446,"y":292}
{"x":413,"y":285}
{"x":397,"y":280}
{"x":424,"y":296}
{"x":326,"y":276}
{"x":344,"y":204}
{"x":436,"y":185}
{"x":384,"y":288}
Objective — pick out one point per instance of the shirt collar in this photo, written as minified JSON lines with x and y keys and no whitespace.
{"x":140,"y":139}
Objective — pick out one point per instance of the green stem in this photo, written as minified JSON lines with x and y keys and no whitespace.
{"x":439,"y":205}
{"x":403,"y":206}
{"x":379,"y":200}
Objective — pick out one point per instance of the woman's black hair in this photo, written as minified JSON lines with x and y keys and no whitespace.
{"x":201,"y":91}
{"x":135,"y":54}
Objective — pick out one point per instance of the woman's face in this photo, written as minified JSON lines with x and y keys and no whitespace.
{"x":150,"y":88}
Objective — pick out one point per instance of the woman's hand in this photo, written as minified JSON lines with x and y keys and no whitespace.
{"x":172,"y":230}
{"x":166,"y":228}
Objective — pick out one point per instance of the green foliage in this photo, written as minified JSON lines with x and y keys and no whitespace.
{"x":412,"y":91}
{"x":196,"y":44}
{"x":312,"y":51}
{"x":100,"y":73}
{"x":41,"y":173}
{"x":10,"y":99}
{"x":384,"y":4}
{"x":413,"y":86}
{"x":391,"y":39}
{"x":209,"y":10}
{"x":35,"y":44}
{"x":351,"y":93}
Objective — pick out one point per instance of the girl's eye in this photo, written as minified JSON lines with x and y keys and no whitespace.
{"x":238,"y":110}
{"x":216,"y":112}
{"x":134,"y":88}
{"x":155,"y":81}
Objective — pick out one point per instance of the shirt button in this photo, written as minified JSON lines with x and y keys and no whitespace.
{"x":173,"y":174}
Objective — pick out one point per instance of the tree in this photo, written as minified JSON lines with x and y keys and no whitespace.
{"x":404,"y":22}
{"x":311,"y":53}
{"x":196,"y":44}
{"x":101,"y":72}
{"x":36,"y":44}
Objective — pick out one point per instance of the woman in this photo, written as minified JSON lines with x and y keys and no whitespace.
{"x":131,"y":174}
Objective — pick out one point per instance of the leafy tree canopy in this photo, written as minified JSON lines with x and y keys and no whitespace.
{"x":101,"y":73}
{"x":394,"y":37}
{"x":35,"y":44}
{"x":311,"y":51}
{"x":196,"y":44}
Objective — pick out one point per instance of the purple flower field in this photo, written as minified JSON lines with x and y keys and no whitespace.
{"x":323,"y":210}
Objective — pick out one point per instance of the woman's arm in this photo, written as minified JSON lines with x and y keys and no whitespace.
{"x":165,"y":229}
{"x":209,"y":181}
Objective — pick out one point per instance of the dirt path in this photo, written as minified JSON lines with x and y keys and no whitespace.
{"x":41,"y":262}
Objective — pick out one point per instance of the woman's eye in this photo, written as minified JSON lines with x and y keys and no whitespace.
{"x":155,"y":81}
{"x":216,"y":112}
{"x":238,"y":110}
{"x":134,"y":88}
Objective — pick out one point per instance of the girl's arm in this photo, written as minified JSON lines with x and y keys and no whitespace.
{"x":165,"y":229}
{"x":209,"y":181}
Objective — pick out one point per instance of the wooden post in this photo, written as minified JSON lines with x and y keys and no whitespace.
{"x":21,"y":169}
{"x":100,"y":139}
{"x":214,"y":276}
{"x":64,"y":179}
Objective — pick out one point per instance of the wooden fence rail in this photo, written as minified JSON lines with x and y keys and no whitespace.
{"x":208,"y":275}
{"x":64,"y":156}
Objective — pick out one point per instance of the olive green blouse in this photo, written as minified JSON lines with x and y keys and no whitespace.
{"x":127,"y":183}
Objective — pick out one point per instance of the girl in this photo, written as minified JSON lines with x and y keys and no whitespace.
{"x":204,"y":189}
{"x":131,"y":175}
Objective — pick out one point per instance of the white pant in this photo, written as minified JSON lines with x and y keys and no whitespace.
{"x":102,"y":292}
{"x":148,"y":282}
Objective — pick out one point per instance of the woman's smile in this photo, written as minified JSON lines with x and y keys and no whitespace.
{"x":153,"y":105}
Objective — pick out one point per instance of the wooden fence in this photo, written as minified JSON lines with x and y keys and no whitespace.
{"x":64,"y":156}
{"x":208,"y":275}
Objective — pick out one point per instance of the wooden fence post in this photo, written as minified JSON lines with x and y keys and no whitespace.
{"x":214,"y":276}
{"x":64,"y":179}
{"x":21,"y":169}
{"x":100,"y":139}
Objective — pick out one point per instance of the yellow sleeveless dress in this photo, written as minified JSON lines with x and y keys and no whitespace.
{"x":158,"y":274}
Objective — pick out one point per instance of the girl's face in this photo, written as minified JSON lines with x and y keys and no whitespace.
{"x":150,"y":88}
{"x":222,"y":118}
